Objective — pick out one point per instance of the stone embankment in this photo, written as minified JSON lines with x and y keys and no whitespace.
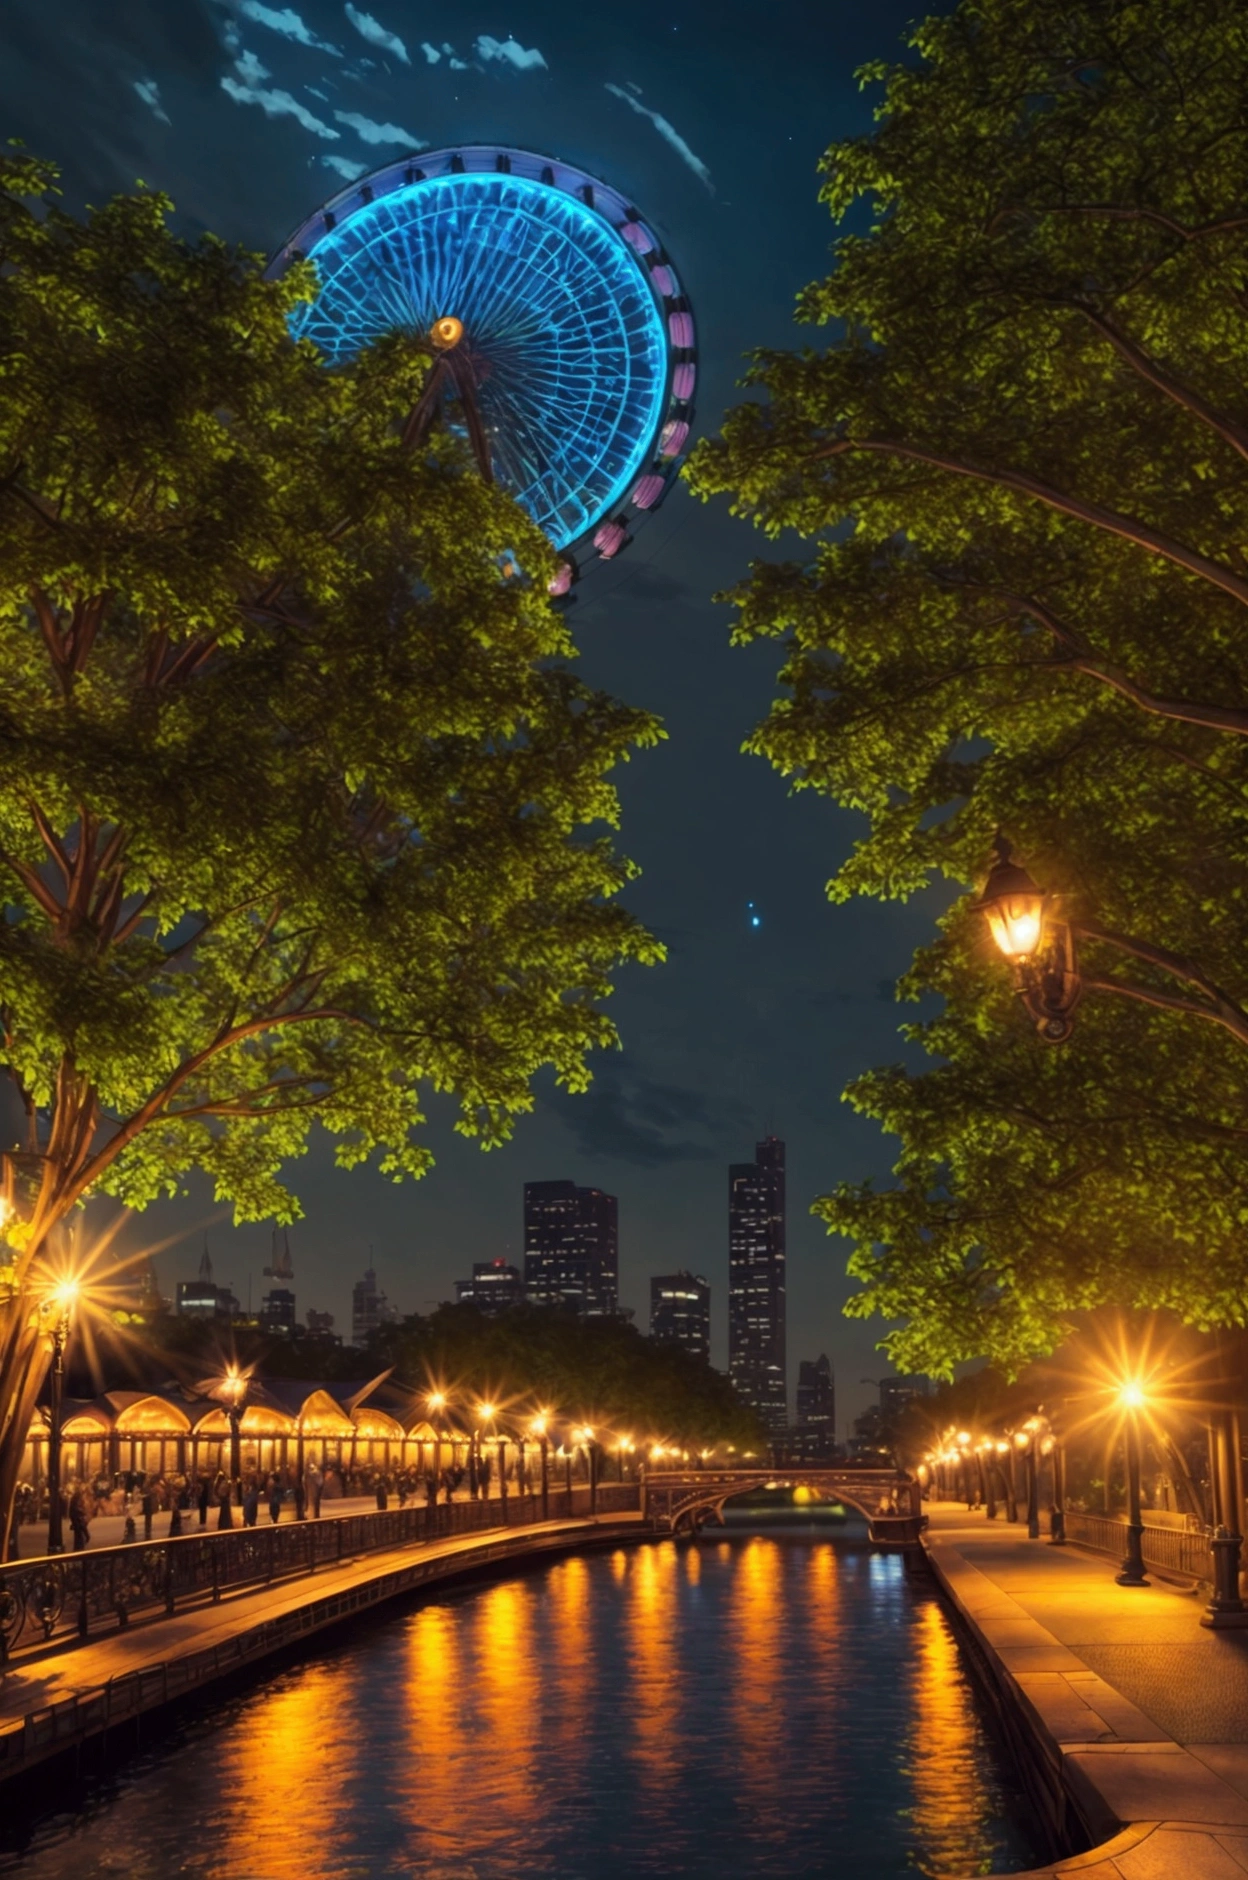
{"x":1128,"y":1718}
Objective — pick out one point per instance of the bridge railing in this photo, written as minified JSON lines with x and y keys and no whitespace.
{"x":68,"y":1596}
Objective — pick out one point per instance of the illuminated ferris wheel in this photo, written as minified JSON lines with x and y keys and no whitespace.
{"x":563,"y":341}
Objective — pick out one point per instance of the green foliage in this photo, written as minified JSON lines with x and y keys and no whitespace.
{"x":1021,"y":462}
{"x":600,"y":1371}
{"x":301,"y":805}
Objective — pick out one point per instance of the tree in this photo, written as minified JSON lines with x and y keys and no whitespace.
{"x":302,"y":807}
{"x":594,"y":1370}
{"x":1022,"y":457}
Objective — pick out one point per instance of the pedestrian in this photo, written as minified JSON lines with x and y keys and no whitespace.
{"x":382,"y":1497}
{"x":175,"y":1520}
{"x":275,"y":1500}
{"x":222,"y":1490}
{"x":149,"y":1508}
{"x":203,"y":1502}
{"x":301,"y":1500}
{"x":313,"y":1483}
{"x":251,"y":1503}
{"x":81,"y":1509}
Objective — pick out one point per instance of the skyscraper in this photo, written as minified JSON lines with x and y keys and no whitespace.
{"x":571,"y":1248}
{"x":277,"y":1308}
{"x":370,"y":1309}
{"x":680,"y":1312}
{"x":756,"y":1305}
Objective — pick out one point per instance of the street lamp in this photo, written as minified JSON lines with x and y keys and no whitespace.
{"x":233,"y":1390}
{"x":60,"y":1303}
{"x":1025,"y":1443}
{"x":1132,"y":1399}
{"x":1040,"y":948}
{"x":538,"y":1429}
{"x":486,"y":1413}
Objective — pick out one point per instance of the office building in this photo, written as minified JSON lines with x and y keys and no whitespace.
{"x":897,"y":1392}
{"x":816,"y":1409}
{"x":495,"y":1287}
{"x":756,"y":1288}
{"x":680,"y":1312}
{"x":571,"y":1248}
{"x":370,"y":1309}
{"x":202,"y":1298}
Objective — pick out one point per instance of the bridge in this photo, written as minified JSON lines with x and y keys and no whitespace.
{"x":685,"y":1498}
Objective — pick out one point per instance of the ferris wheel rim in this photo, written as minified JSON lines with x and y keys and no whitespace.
{"x":655,"y":423}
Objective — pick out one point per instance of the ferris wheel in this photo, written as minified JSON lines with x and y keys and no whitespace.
{"x":563,"y":342}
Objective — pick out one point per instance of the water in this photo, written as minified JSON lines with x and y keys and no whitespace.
{"x":762,"y":1704}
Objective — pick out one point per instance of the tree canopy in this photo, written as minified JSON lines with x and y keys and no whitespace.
{"x":595,"y":1371}
{"x":1020,"y":461}
{"x":304,"y":812}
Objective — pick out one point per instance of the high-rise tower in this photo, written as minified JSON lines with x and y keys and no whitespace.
{"x":571,"y":1248}
{"x":756,"y":1299}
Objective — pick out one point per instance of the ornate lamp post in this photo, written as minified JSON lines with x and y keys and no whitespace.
{"x":1132,"y":1399}
{"x":983,"y":1454}
{"x":537,"y":1429}
{"x":1025,"y":1444}
{"x":60,"y":1303}
{"x":1051,"y":1447}
{"x":233,"y":1393}
{"x":485,"y":1418}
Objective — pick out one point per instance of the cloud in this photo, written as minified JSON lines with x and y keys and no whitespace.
{"x":286,"y":22}
{"x":274,"y":104}
{"x":375,"y":33}
{"x":345,"y":167}
{"x":314,"y":93}
{"x":372,"y":133}
{"x":510,"y":52}
{"x":431,"y":52}
{"x":669,"y":132}
{"x":638,"y":1119}
{"x":149,"y":92}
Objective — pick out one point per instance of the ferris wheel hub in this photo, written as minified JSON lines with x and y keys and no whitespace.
{"x":446,"y":333}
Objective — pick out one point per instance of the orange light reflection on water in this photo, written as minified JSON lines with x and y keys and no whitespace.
{"x":508,"y":1680}
{"x":948,"y":1813}
{"x":756,"y":1608}
{"x":655,"y":1668}
{"x":299,"y":1743}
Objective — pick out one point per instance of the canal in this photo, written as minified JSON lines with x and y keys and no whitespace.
{"x":766,"y":1703}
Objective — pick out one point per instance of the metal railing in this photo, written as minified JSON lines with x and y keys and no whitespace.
{"x":1170,"y":1550}
{"x":81,"y":1594}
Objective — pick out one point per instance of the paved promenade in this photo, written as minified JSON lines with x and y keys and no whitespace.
{"x":1141,"y":1712}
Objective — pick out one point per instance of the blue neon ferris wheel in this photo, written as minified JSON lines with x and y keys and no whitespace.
{"x":559,"y":327}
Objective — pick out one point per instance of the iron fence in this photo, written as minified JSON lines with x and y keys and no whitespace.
{"x":1170,"y":1550}
{"x":81,"y":1594}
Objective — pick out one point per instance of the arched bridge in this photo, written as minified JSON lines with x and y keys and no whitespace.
{"x":891,"y":1502}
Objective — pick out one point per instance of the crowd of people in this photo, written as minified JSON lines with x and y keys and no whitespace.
{"x":192,"y":1501}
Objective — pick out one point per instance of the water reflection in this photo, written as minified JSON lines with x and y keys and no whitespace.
{"x":753,"y":1708}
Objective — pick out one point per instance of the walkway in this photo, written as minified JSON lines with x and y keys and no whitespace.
{"x":1141,"y":1712}
{"x":109,"y":1530}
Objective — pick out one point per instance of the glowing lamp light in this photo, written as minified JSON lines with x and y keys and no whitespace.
{"x":537,"y":1428}
{"x":65,"y":1294}
{"x":963,"y":1438}
{"x":486,"y":1412}
{"x":1022,"y":1438}
{"x":437,"y":1400}
{"x":446,"y":333}
{"x":1132,"y":1395}
{"x":1013,"y":906}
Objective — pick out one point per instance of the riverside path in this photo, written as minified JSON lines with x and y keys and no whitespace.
{"x":1129,"y":1716}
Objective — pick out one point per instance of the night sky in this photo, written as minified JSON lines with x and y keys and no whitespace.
{"x":233,"y":109}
